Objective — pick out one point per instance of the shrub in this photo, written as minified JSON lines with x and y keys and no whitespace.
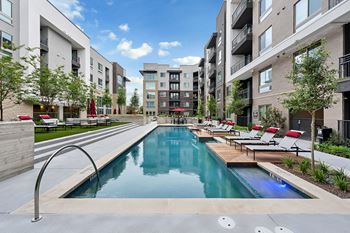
{"x":288,"y":162}
{"x":337,"y":140}
{"x":341,"y":151}
{"x":340,"y":173}
{"x":341,"y":182}
{"x":304,"y":166}
{"x":324,"y":167}
{"x":273,"y":118}
{"x":319,"y":176}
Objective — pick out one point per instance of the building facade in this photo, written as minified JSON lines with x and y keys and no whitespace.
{"x":119,"y":81}
{"x":166,"y":88}
{"x":39,"y":24}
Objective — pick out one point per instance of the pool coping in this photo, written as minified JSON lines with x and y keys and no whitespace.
{"x":52,"y":201}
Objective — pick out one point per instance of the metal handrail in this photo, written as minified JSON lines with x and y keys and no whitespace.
{"x":37,"y":216}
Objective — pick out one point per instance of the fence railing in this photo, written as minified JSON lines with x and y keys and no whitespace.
{"x":344,"y":128}
{"x":240,"y":8}
{"x":333,"y":3}
{"x":239,"y":65}
{"x":242,"y":35}
{"x":344,"y":66}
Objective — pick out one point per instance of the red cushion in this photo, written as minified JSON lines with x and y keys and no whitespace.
{"x":25,"y":118}
{"x":45,"y":117}
{"x":257,"y":127}
{"x":271,"y":130}
{"x":293,"y":134}
{"x":230,"y":123}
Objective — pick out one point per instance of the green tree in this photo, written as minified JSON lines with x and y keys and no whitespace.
{"x":75,"y":92}
{"x":106,"y":98}
{"x":212,"y":106}
{"x":200,"y":109}
{"x":12,"y":82}
{"x":236,"y":103}
{"x":273,"y":118}
{"x":134,"y":102}
{"x":315,"y":84}
{"x":121,"y":99}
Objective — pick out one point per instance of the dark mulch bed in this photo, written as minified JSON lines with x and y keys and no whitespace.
{"x":326,"y":186}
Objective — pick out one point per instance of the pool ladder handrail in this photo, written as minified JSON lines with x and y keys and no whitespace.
{"x":37,"y":216}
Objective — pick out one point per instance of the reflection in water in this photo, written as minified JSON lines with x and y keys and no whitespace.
{"x":168,"y":163}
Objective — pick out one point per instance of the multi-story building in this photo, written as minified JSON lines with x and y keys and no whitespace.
{"x":210,"y":68}
{"x":266,"y":38}
{"x":39,"y":24}
{"x":119,"y":81}
{"x":166,"y":88}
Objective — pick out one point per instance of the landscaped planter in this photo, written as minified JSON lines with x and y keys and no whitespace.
{"x":16,"y":148}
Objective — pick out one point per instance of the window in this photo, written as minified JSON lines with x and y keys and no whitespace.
{"x":305,"y":9}
{"x":162,"y":94}
{"x":228,"y":91}
{"x":6,"y":11}
{"x":149,"y":76}
{"x":186,"y":104}
{"x":186,"y":85}
{"x":163,"y":104}
{"x":219,"y":77}
{"x":100,"y":67}
{"x":162,"y":75}
{"x":6,"y":41}
{"x":150,"y":104}
{"x":91,"y":62}
{"x":100,"y":83}
{"x":162,"y":84}
{"x":91,"y":78}
{"x":265,"y":40}
{"x":265,"y":79}
{"x":299,"y":56}
{"x":150,"y":85}
{"x":120,"y":80}
{"x":220,"y":39}
{"x":174,"y":86}
{"x":175,"y":96}
{"x":99,"y":105}
{"x":265,"y":6}
{"x":218,"y":94}
{"x":263,"y":109}
{"x":220,"y":57}
{"x":186,"y":75}
{"x":187,"y":95}
{"x":174,"y":77}
{"x":151,"y":95}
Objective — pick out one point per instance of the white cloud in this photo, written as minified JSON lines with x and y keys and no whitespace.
{"x":70,"y":8}
{"x":124,"y":27}
{"x":109,"y":2}
{"x":112,"y":36}
{"x":169,"y":45}
{"x":190,"y":60}
{"x":126,"y":49}
{"x":163,"y":53}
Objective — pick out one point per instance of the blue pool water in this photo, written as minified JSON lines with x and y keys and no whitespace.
{"x":171,"y":163}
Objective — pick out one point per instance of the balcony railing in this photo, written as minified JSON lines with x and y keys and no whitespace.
{"x":76,"y":61}
{"x":244,"y":94}
{"x":333,"y":3}
{"x":212,"y":55}
{"x":239,"y":65}
{"x":344,"y":66}
{"x":174,"y":79}
{"x":44,"y":44}
{"x":344,"y":129}
{"x":212,"y":71}
{"x":242,"y":6}
{"x":244,"y":34}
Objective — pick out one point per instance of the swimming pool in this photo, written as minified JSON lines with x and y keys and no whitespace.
{"x":171,"y":163}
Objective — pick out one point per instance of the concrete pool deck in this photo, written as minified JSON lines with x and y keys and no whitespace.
{"x":166,"y":215}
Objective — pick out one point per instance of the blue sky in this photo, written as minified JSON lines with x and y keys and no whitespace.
{"x":133,"y":32}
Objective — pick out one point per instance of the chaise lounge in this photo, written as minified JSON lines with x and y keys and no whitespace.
{"x":253,"y":134}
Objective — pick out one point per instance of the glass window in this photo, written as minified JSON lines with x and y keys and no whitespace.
{"x":100,"y":67}
{"x":187,"y":95}
{"x":100,"y":83}
{"x":151,"y":95}
{"x":265,"y":5}
{"x":6,"y":11}
{"x":218,"y":95}
{"x":99,"y":105}
{"x":186,"y":104}
{"x":265,"y":79}
{"x":162,"y":84}
{"x":263,"y":109}
{"x":150,"y":104}
{"x":304,"y":9}
{"x":174,"y":77}
{"x":186,"y":85}
{"x":6,"y":40}
{"x":162,"y":75}
{"x":150,"y":85}
{"x":91,"y":78}
{"x":120,"y":80}
{"x":219,"y":77}
{"x":220,"y":57}
{"x":186,"y":75}
{"x":174,"y":96}
{"x":163,"y":104}
{"x":149,"y":76}
{"x":162,"y":94}
{"x":174,"y":86}
{"x":91,"y":62}
{"x":265,"y":40}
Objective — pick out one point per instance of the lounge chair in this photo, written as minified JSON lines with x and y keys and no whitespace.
{"x":253,"y":134}
{"x":227,"y":129}
{"x":287,"y":144}
{"x":198,"y":126}
{"x":54,"y":122}
{"x":29,"y":118}
{"x":266,"y":139}
{"x":221,"y":126}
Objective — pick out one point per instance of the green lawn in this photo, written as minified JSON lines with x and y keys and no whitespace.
{"x":41,"y":136}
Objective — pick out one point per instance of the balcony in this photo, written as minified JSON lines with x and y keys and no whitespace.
{"x":195,"y":88}
{"x":333,"y":3}
{"x":239,"y":65}
{"x":76,"y":62}
{"x":195,"y":79}
{"x":242,"y":43}
{"x":201,"y":73}
{"x":245,"y":94}
{"x":201,"y":85}
{"x":212,"y":56}
{"x":174,"y":80}
{"x":344,"y":74}
{"x":212,"y":71}
{"x":243,"y":14}
{"x":212,"y":89}
{"x":44,"y":45}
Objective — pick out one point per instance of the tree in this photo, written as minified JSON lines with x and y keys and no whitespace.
{"x":134,"y":102}
{"x":106,"y":98}
{"x":212,"y":106}
{"x":200,"y":109}
{"x":273,"y":118}
{"x":315,"y":84}
{"x":121,"y":99}
{"x":75,"y":92}
{"x":12,"y":82}
{"x":236,"y":104}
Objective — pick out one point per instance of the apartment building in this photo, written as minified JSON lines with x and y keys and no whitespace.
{"x":119,"y":81}
{"x":267,"y":36}
{"x":166,"y":88}
{"x":39,"y":24}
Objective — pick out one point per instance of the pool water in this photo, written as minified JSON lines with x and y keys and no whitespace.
{"x":170,"y":163}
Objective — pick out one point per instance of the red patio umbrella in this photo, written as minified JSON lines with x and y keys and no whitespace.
{"x":92,"y":108}
{"x":179,"y":110}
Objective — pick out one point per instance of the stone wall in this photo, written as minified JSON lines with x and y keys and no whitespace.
{"x":16,"y":148}
{"x":137,"y":119}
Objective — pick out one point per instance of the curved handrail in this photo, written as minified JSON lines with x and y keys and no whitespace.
{"x":37,"y":216}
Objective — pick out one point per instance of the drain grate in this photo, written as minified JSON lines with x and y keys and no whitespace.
{"x":226,"y":222}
